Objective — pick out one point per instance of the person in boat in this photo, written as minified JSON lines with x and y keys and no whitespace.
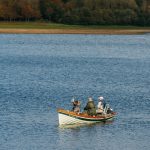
{"x":101,"y":105}
{"x":90,"y":108}
{"x":76,"y":105}
{"x":108,"y":109}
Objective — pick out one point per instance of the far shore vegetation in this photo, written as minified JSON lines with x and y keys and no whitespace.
{"x":75,"y":16}
{"x":78,"y":13}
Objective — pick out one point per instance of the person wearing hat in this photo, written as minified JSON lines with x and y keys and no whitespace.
{"x":100,"y":106}
{"x":90,"y":108}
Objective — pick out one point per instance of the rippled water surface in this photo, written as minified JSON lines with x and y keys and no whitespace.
{"x":39,"y":73}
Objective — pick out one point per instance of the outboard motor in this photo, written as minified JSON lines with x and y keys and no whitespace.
{"x":107,"y":109}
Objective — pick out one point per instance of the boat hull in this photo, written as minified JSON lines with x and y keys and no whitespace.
{"x":68,"y":117}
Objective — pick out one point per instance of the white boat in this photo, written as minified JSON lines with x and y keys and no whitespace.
{"x":67,"y":117}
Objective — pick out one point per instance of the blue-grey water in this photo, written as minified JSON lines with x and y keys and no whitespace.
{"x":40,"y":73}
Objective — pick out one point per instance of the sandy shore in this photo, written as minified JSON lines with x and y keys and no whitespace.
{"x":74,"y":31}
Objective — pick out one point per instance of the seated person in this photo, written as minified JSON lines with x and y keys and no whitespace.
{"x":100,"y":106}
{"x":90,"y":108}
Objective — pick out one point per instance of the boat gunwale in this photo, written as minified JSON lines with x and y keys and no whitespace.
{"x":84,"y":116}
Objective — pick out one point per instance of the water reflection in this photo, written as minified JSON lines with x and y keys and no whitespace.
{"x":77,"y":126}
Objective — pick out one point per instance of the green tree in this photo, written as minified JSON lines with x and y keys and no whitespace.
{"x":52,"y":10}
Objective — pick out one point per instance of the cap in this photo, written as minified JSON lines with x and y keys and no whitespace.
{"x":90,"y":99}
{"x":100,"y":98}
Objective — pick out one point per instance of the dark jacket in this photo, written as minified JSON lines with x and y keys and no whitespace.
{"x":90,"y":108}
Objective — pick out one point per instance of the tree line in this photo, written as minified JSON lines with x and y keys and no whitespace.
{"x":86,"y":12}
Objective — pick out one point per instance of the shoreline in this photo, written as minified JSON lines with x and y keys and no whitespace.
{"x":73,"y":31}
{"x":56,"y":28}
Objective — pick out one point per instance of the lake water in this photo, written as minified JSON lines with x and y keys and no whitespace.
{"x":40,"y":73}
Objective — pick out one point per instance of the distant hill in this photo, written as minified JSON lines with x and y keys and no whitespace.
{"x":84,"y":12}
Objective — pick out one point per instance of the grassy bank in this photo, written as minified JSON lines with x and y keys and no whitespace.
{"x":43,"y":27}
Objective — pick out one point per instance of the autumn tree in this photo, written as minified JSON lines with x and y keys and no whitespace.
{"x":8,"y":9}
{"x":28,"y":9}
